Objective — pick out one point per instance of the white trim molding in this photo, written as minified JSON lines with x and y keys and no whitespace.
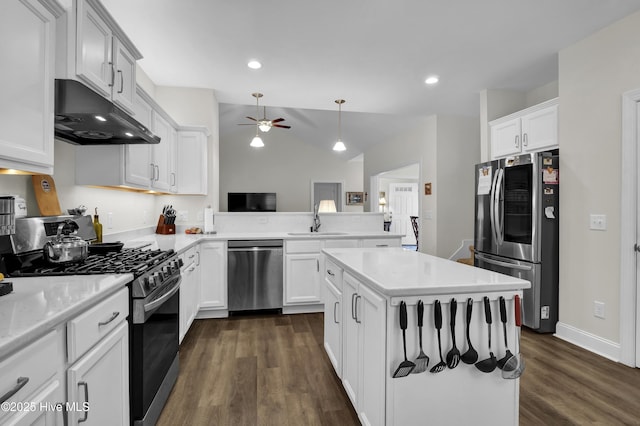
{"x":628,"y":231}
{"x":588,"y":341}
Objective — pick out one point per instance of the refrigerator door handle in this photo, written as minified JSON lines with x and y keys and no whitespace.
{"x":501,"y":263}
{"x":498,"y":221}
{"x":492,"y":205}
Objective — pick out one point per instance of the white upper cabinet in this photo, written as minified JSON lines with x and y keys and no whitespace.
{"x":97,"y":52}
{"x":530,"y":130}
{"x":192,"y":161}
{"x":27,"y":85}
{"x":162,"y":154}
{"x":138,"y":169}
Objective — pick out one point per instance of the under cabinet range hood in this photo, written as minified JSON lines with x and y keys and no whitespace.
{"x":83,"y":117}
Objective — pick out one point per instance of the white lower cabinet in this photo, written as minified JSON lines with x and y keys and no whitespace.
{"x":364,"y":349}
{"x":303,"y":279}
{"x":98,"y":384}
{"x":333,"y":316}
{"x":189,"y":289}
{"x":213,"y":277}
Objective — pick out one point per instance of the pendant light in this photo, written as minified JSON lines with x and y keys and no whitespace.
{"x":256,"y":142}
{"x":339,"y":146}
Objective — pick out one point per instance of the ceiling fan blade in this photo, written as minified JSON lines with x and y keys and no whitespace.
{"x":280,"y":125}
{"x":277,"y":120}
{"x":251,"y":118}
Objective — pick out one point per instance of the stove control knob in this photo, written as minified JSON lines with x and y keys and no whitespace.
{"x":166,"y":270}
{"x":180,"y":262}
{"x":146,"y":282}
{"x":155,"y":279}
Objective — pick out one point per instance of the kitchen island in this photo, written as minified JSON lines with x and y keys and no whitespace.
{"x":363,"y":339}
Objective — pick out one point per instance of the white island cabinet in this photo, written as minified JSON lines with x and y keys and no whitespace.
{"x":370,"y":284}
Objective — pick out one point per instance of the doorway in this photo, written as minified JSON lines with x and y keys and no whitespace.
{"x":326,"y":191}
{"x":630,"y":226}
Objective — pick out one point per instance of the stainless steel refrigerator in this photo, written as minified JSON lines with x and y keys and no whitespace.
{"x":516,"y":228}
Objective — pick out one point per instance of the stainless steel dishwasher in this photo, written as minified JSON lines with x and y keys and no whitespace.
{"x":254,"y":275}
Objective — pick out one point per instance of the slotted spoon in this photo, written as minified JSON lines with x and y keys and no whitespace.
{"x":437,"y":316}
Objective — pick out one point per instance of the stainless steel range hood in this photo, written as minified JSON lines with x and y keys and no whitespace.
{"x":83,"y":117}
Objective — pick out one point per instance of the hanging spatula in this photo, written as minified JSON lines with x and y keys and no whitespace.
{"x":422,"y":362}
{"x":406,"y":366}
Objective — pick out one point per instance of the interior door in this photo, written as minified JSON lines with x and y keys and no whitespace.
{"x":327,"y":191}
{"x":403,"y":202}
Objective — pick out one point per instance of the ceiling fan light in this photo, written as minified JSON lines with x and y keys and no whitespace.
{"x":256,"y":142}
{"x":339,"y":146}
{"x":264,"y":126}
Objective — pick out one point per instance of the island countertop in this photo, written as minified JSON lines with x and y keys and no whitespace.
{"x":399,"y":272}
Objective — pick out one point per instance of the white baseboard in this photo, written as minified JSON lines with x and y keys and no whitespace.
{"x":588,"y":341}
{"x":212,"y":313}
{"x":302,"y":309}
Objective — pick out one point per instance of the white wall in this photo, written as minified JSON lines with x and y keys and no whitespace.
{"x":446,"y":148}
{"x":285,"y":165}
{"x":593,"y":74}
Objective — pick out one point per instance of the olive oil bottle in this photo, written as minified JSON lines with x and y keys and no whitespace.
{"x":97,"y":226}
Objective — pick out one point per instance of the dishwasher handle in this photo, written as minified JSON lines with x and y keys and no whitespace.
{"x":255,"y":249}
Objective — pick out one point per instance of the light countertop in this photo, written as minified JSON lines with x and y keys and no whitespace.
{"x":38,"y":305}
{"x":182,"y":241}
{"x":398,"y":272}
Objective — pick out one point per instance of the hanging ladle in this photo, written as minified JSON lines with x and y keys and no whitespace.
{"x":489,"y":364}
{"x":514,"y":366}
{"x":470,"y":356}
{"x":503,"y":319}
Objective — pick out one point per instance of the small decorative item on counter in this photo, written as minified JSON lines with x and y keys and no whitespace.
{"x":193,"y":230}
{"x":97,"y":226}
{"x":5,"y":286}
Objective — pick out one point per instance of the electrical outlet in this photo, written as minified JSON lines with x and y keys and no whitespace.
{"x":544,"y":312}
{"x":598,"y":309}
{"x":109,"y":220}
{"x":598,"y":222}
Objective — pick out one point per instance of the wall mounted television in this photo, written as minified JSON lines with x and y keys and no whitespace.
{"x":251,"y":201}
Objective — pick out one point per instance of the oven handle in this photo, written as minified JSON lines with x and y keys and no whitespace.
{"x":153,"y":305}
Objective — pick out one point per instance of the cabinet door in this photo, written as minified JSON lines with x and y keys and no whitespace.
{"x":192,"y":162}
{"x":505,"y":138}
{"x":138,"y":169}
{"x":173,"y":160}
{"x":302,"y":283}
{"x":98,"y":384}
{"x":213,"y":277}
{"x":26,"y":104}
{"x":161,"y":154}
{"x":540,"y":129}
{"x":333,"y":326}
{"x":188,"y":303}
{"x":350,"y":347}
{"x":94,"y":62}
{"x":124,"y":85}
{"x":48,"y":409}
{"x":371,"y":312}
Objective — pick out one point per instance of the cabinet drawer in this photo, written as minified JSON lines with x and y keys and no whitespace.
{"x":189,"y":257}
{"x":381,"y":242}
{"x":333,"y":273}
{"x":341,"y":244}
{"x":306,"y":246}
{"x":29,"y":369}
{"x":88,"y":328}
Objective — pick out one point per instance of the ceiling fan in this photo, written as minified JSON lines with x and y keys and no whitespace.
{"x":263,"y":124}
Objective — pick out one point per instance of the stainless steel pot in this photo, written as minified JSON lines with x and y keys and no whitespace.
{"x":66,"y":248}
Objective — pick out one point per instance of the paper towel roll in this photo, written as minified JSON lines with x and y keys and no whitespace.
{"x":208,"y":221}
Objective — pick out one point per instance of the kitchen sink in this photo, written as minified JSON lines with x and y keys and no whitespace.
{"x":310,"y":234}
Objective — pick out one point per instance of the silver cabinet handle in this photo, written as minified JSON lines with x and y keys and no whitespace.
{"x":113,"y":75}
{"x":317,"y":265}
{"x":330,"y":272}
{"x":525,"y":140}
{"x":113,"y":316}
{"x":382,"y":245}
{"x":19,"y":385}
{"x":192,"y":256}
{"x":153,"y":171}
{"x":335,"y":318}
{"x":356,"y":318}
{"x":157,"y":172}
{"x":173,"y":179}
{"x":198,"y":260}
{"x":353,"y":296}
{"x":121,"y":82}
{"x":86,"y":399}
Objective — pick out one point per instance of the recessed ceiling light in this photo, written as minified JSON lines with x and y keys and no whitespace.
{"x":254,"y":65}
{"x":432,"y":79}
{"x":100,"y":118}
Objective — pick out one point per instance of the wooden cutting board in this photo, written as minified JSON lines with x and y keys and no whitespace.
{"x":46,"y":195}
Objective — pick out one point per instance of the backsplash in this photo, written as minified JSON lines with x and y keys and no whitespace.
{"x":296,"y":222}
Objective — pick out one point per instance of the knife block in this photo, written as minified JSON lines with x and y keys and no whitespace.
{"x":163,"y":228}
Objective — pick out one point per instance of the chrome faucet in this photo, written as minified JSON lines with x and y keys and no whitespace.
{"x":316,"y":219}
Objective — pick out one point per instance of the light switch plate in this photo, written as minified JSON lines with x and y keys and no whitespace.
{"x":598,"y":222}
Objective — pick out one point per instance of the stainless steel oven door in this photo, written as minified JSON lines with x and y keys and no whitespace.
{"x":154,"y":352}
{"x":531,"y":300}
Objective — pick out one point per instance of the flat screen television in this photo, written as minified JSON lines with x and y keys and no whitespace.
{"x":251,"y":201}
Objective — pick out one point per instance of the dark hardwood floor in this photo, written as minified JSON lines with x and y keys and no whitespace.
{"x":272,"y":370}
